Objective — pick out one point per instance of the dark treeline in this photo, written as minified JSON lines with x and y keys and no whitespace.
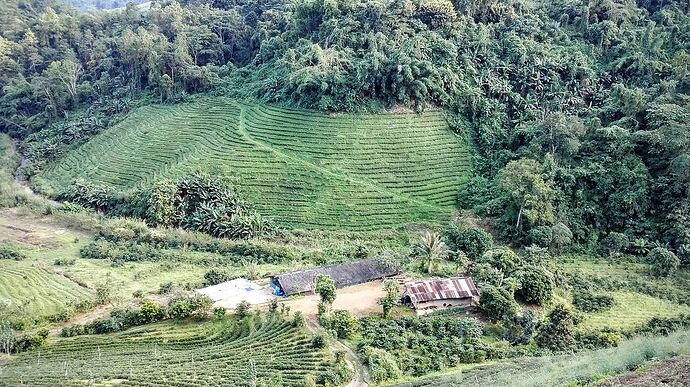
{"x":579,"y":109}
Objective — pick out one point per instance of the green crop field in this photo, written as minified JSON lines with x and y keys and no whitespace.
{"x":302,"y":168}
{"x":189,"y":354}
{"x":37,"y":291}
{"x":632,"y":310}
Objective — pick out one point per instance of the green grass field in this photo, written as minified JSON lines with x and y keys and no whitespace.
{"x":189,"y":354}
{"x":36,"y":291}
{"x":631,"y":310}
{"x":305,"y":169}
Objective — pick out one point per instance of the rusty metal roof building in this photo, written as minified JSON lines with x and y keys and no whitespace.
{"x":343,"y":274}
{"x":440,"y":289}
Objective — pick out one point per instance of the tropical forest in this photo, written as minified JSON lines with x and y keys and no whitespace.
{"x":345,"y":193}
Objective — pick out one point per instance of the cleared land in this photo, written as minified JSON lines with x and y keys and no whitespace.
{"x":191,"y":354}
{"x":305,"y":169}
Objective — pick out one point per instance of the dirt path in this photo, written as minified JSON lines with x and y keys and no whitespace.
{"x":360,"y":377}
{"x":22,"y":181}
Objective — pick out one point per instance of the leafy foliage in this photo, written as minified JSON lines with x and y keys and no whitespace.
{"x":325,"y":287}
{"x":662,"y":261}
{"x":586,"y":301}
{"x":205,"y":203}
{"x":8,"y":251}
{"x":496,"y":303}
{"x":536,"y":285}
{"x":415,"y":346}
{"x":472,"y":241}
{"x":557,"y":333}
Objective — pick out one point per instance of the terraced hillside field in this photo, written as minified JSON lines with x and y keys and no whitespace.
{"x":36,"y":291}
{"x":305,"y":169}
{"x":190,"y":354}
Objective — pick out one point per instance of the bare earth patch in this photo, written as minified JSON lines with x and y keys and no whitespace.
{"x":670,"y":372}
{"x":32,"y":230}
{"x":361,"y":300}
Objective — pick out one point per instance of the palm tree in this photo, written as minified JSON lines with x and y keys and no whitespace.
{"x":431,"y":248}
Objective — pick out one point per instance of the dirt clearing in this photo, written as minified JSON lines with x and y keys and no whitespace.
{"x":361,"y":300}
{"x":31,"y":230}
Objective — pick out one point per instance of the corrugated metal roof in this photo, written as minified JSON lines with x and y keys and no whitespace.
{"x":343,"y":274}
{"x":440,"y":289}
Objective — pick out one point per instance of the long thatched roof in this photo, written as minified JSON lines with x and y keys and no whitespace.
{"x":343,"y":274}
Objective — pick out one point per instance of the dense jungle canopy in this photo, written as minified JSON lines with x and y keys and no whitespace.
{"x":578,"y":110}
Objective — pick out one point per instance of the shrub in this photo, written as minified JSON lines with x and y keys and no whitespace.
{"x":298,"y":320}
{"x":150,"y":312}
{"x":586,"y":301}
{"x":496,"y":303}
{"x":561,"y":237}
{"x":614,"y":244}
{"x":519,"y":328}
{"x":104,"y":292}
{"x":10,"y":252}
{"x":502,"y":259}
{"x":72,"y":330}
{"x":165,"y":288}
{"x":536,"y":285}
{"x":343,"y":323}
{"x":664,"y":326}
{"x":218,"y":313}
{"x":319,"y":341}
{"x":65,"y":262}
{"x":99,"y":249}
{"x":662,"y":261}
{"x":382,"y":365}
{"x":273,"y":306}
{"x":13,"y":343}
{"x":472,"y":241}
{"x":215,"y":277}
{"x":541,"y":236}
{"x":594,"y":340}
{"x":326,"y":289}
{"x":183,"y":307}
{"x":242,"y":309}
{"x":179,"y":308}
{"x":558,"y":333}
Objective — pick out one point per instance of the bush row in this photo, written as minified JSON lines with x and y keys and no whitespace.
{"x":149,"y":312}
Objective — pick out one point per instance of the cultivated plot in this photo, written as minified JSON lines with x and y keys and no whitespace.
{"x":305,"y":169}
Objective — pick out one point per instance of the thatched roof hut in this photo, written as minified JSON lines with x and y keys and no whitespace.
{"x":343,"y":274}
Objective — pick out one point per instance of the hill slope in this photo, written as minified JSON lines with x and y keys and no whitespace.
{"x":217,"y":353}
{"x":304,"y":169}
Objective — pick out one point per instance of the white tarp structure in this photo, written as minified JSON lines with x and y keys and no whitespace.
{"x":229,"y":294}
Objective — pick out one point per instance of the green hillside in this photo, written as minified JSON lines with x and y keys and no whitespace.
{"x":304,"y":169}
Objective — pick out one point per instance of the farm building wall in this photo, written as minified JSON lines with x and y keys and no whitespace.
{"x":426,"y":307}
